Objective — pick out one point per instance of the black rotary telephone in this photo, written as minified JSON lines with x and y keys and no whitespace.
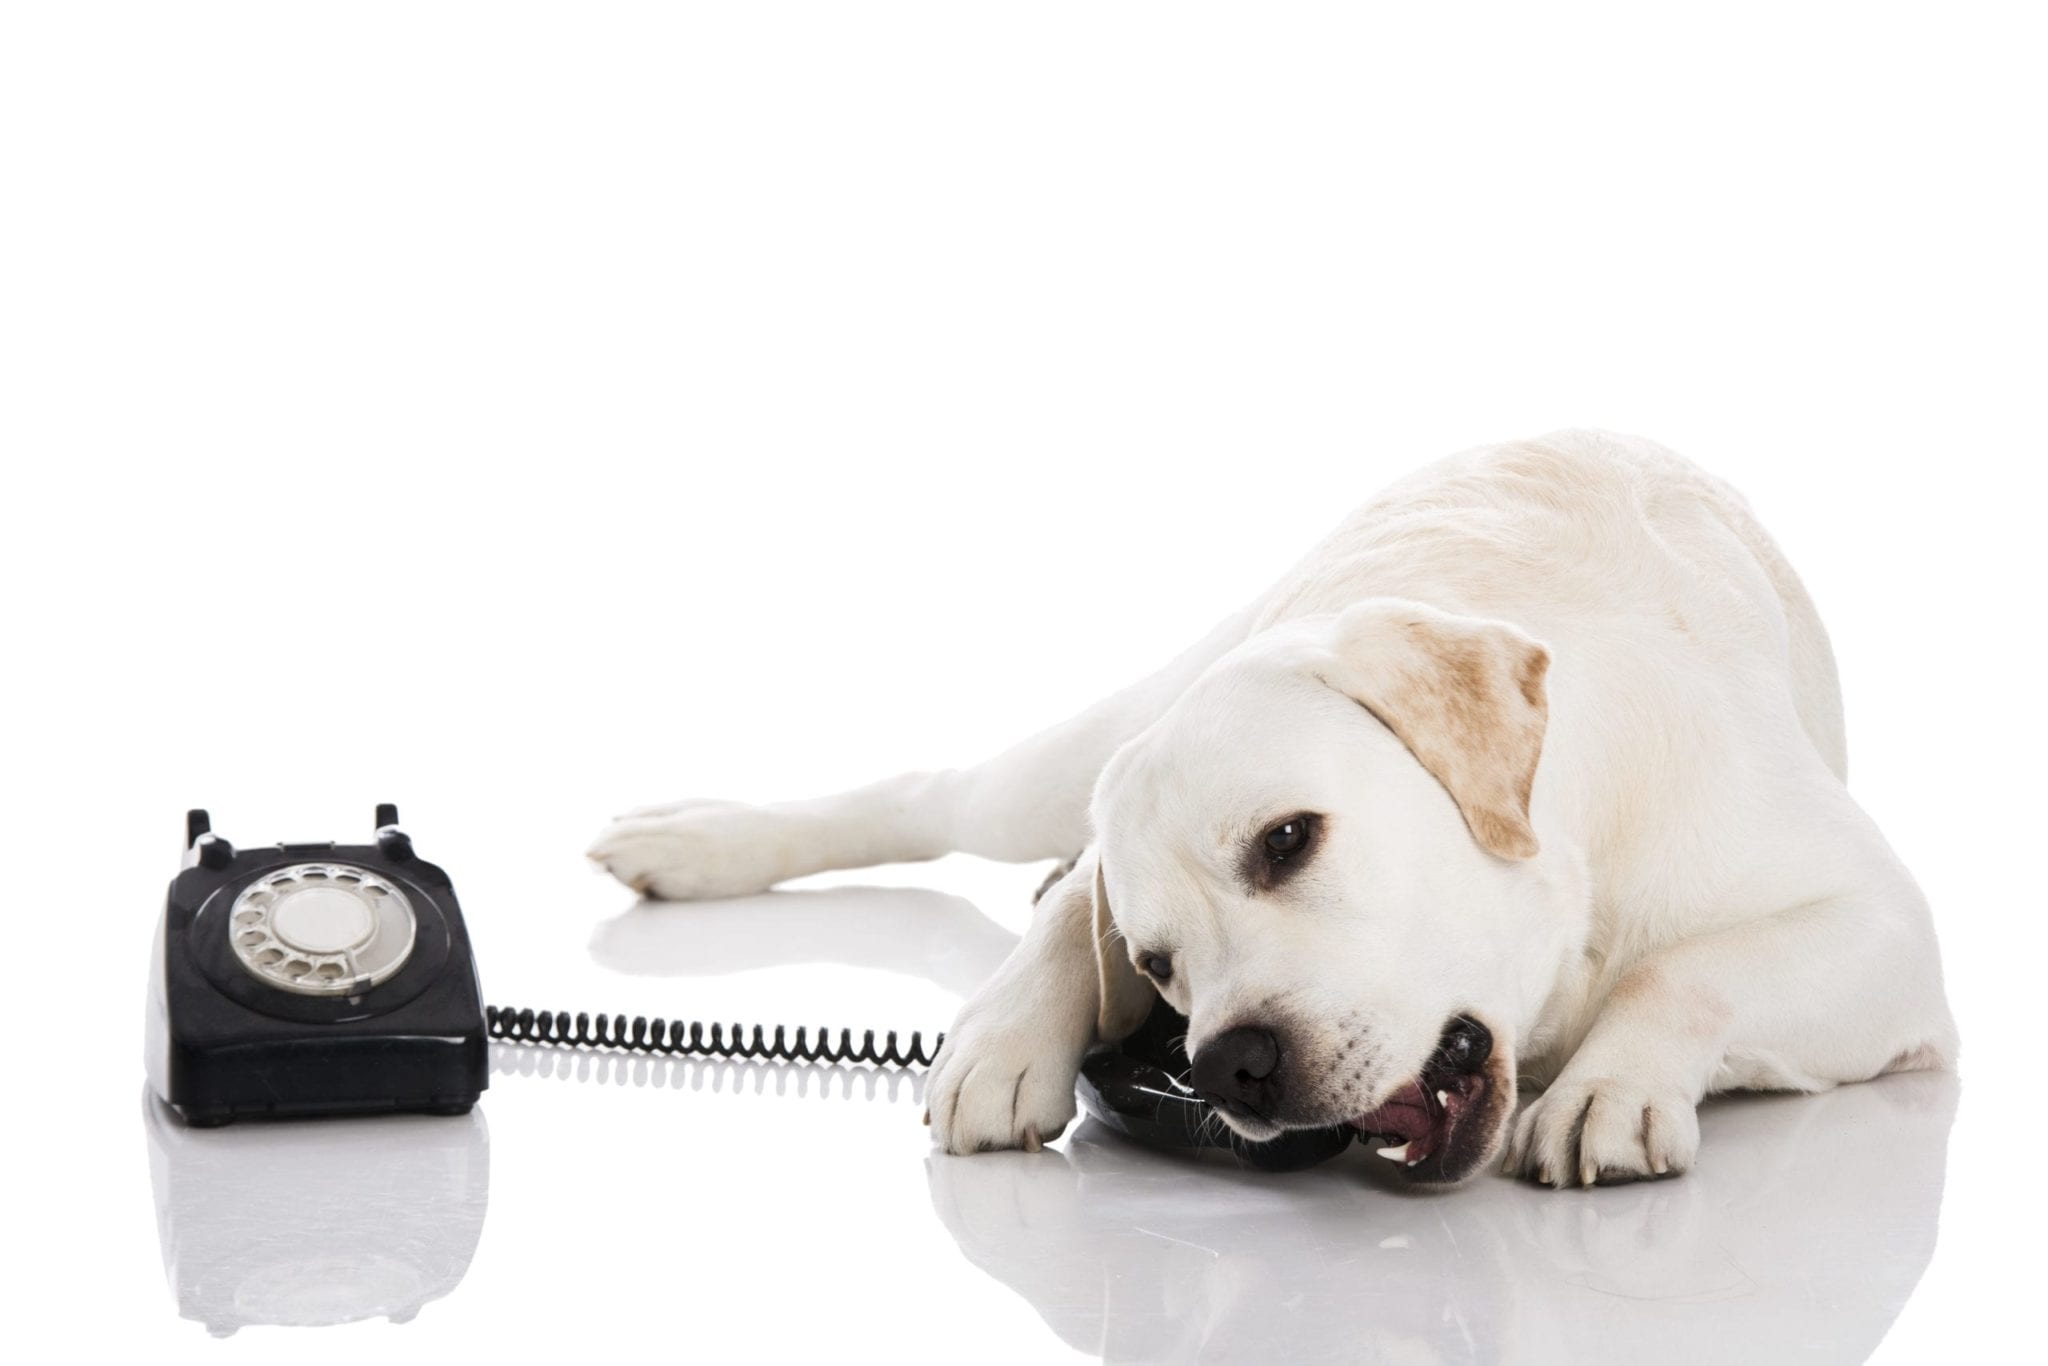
{"x":332,"y":979}
{"x":313,"y":979}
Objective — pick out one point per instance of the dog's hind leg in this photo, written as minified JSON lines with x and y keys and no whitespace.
{"x":1029,"y":802}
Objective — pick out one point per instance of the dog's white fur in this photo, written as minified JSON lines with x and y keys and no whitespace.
{"x":1687,"y":900}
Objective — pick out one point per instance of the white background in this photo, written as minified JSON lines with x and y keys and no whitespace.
{"x":522,"y":412}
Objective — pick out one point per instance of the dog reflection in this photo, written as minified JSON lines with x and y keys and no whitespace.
{"x":1802,"y":1237}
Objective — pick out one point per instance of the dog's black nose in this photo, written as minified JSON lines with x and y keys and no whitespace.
{"x":1466,"y":1045}
{"x":1235,"y":1069}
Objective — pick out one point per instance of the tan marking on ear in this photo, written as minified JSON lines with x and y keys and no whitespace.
{"x":1507,"y":838}
{"x":1124,"y":998}
{"x":1466,"y":696}
{"x":1535,"y":668}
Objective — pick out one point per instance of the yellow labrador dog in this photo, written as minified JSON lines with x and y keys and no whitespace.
{"x":1531,"y":773}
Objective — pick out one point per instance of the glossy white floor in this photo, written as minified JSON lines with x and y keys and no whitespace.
{"x":798,"y":1210}
{"x":524,"y":412}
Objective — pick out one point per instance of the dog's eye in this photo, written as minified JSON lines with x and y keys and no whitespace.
{"x":1279,"y":852}
{"x":1288,"y":838}
{"x":1158,"y":966}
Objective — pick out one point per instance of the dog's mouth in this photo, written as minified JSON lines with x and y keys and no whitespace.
{"x":1439,"y":1126}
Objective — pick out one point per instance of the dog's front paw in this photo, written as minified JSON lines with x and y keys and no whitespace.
{"x":1000,"y":1084}
{"x":692,"y":851}
{"x":1603,"y":1131}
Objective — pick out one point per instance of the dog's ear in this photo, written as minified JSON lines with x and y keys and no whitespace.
{"x":1125,"y":998}
{"x":1466,"y":695}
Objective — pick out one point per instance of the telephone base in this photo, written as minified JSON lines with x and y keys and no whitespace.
{"x":308,"y":980}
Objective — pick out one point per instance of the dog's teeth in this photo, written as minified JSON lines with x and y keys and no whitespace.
{"x":1443,"y":1097}
{"x":1399,"y":1154}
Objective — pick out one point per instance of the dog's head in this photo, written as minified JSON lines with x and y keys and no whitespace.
{"x":1322,"y":855}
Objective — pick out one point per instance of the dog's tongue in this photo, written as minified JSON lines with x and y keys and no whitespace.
{"x":1406,"y":1115}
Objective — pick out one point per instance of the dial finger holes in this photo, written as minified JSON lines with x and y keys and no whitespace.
{"x":321,"y":929}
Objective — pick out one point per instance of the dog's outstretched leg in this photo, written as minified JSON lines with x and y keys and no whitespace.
{"x":1029,"y":802}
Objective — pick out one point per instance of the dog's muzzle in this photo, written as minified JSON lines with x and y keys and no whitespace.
{"x":1440,"y":1125}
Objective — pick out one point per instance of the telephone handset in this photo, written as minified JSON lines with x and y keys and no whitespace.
{"x":330,"y":979}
